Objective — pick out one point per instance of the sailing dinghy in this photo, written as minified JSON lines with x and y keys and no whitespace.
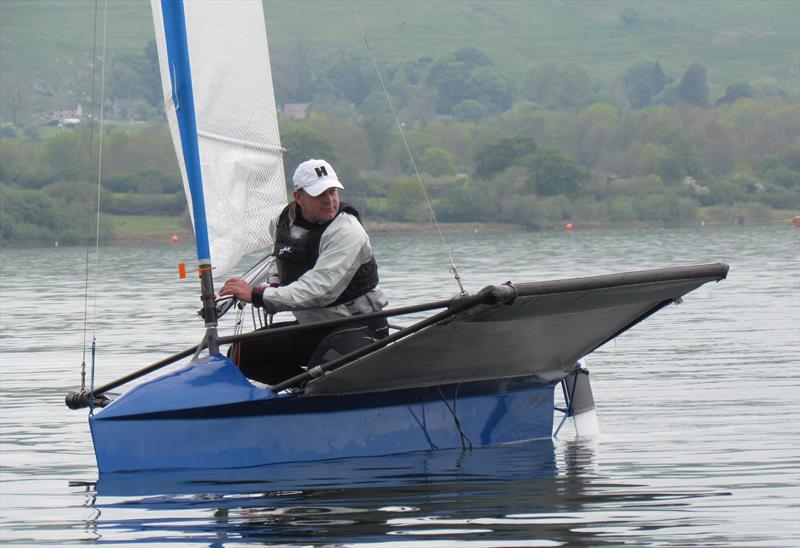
{"x":481,"y":370}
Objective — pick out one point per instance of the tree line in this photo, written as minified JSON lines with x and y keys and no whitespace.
{"x":559,"y":146}
{"x":530,"y":166}
{"x":465,"y":84}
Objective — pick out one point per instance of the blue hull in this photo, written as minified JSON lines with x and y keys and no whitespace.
{"x":387,"y":473}
{"x":208,"y":415}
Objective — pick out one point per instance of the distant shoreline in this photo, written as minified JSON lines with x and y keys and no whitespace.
{"x":381,"y":228}
{"x":501,"y":228}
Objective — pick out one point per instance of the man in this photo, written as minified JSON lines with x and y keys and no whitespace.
{"x":322,"y":266}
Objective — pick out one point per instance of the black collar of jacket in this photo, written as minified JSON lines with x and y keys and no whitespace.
{"x":296,"y":216}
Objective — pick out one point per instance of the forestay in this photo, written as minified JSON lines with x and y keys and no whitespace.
{"x":227,"y":77}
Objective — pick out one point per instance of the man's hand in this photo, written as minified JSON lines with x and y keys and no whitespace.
{"x":238,"y":288}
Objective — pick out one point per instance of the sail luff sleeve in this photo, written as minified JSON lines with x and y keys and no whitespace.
{"x":177,"y":49}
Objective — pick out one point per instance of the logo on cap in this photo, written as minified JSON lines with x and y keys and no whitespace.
{"x":321,"y":171}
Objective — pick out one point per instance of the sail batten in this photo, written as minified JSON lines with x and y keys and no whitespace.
{"x":221,"y":109}
{"x":240,"y":142}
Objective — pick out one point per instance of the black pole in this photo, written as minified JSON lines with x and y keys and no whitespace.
{"x":209,"y":308}
{"x":488,"y":295}
{"x":345,"y":320}
{"x":320,"y":370}
{"x":79,"y":400}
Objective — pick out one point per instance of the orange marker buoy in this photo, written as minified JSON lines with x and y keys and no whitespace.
{"x":175,"y":239}
{"x":569,"y":227}
{"x":796,"y":221}
{"x":182,"y":270}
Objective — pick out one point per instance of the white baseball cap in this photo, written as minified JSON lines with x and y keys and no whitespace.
{"x":315,"y":177}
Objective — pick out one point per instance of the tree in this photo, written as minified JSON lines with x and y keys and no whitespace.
{"x":644,"y":81}
{"x":554,"y":87}
{"x":735,"y":92}
{"x":472,"y":57}
{"x":68,"y":153}
{"x":464,"y":203}
{"x":379,"y":136}
{"x":470,"y":110}
{"x":302,"y":143}
{"x":469,"y":74}
{"x":450,"y":78}
{"x":552,"y":173}
{"x":376,"y":105}
{"x":469,"y":58}
{"x":151,"y":75}
{"x":29,"y":215}
{"x":679,"y":161}
{"x":437,"y":161}
{"x":693,"y":88}
{"x":791,"y":158}
{"x":351,"y":77}
{"x":405,"y":200}
{"x":297,"y":83}
{"x":495,"y":157}
{"x":124,"y":81}
{"x":136,"y":76}
{"x":490,"y":88}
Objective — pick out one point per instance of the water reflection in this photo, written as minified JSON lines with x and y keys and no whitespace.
{"x":356,"y":499}
{"x":532,"y":494}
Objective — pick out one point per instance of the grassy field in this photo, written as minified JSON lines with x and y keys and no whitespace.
{"x":736,"y":39}
{"x":46,"y":45}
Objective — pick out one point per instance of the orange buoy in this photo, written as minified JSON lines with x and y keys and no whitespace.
{"x":569,"y":227}
{"x":175,"y":239}
{"x":796,"y":221}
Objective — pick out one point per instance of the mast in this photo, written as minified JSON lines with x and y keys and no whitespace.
{"x":220,"y":105}
{"x":174,"y":25}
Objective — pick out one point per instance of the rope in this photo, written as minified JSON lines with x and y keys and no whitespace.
{"x":569,"y":396}
{"x":453,"y":269}
{"x":99,"y":187}
{"x":456,"y":420}
{"x":91,"y":156}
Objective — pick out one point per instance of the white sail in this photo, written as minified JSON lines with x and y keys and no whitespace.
{"x":237,"y":136}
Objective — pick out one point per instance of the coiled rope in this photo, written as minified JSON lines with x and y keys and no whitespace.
{"x":453,"y":269}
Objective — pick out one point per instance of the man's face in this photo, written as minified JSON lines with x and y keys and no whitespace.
{"x":318,"y":209}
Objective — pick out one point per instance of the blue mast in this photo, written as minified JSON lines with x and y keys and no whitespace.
{"x":183,"y":98}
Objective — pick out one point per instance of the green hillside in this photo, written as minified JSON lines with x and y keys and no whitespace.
{"x":46,"y":48}
{"x":739,"y":39}
{"x":46,"y":45}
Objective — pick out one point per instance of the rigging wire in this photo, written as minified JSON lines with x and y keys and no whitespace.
{"x":91,"y":157}
{"x":462,"y":435}
{"x":99,"y":189}
{"x":453,"y":269}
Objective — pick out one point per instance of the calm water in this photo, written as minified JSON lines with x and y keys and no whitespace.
{"x":699,"y":409}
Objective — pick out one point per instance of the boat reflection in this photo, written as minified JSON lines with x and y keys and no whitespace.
{"x":534,"y":459}
{"x":530,"y":494}
{"x":356,"y":498}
